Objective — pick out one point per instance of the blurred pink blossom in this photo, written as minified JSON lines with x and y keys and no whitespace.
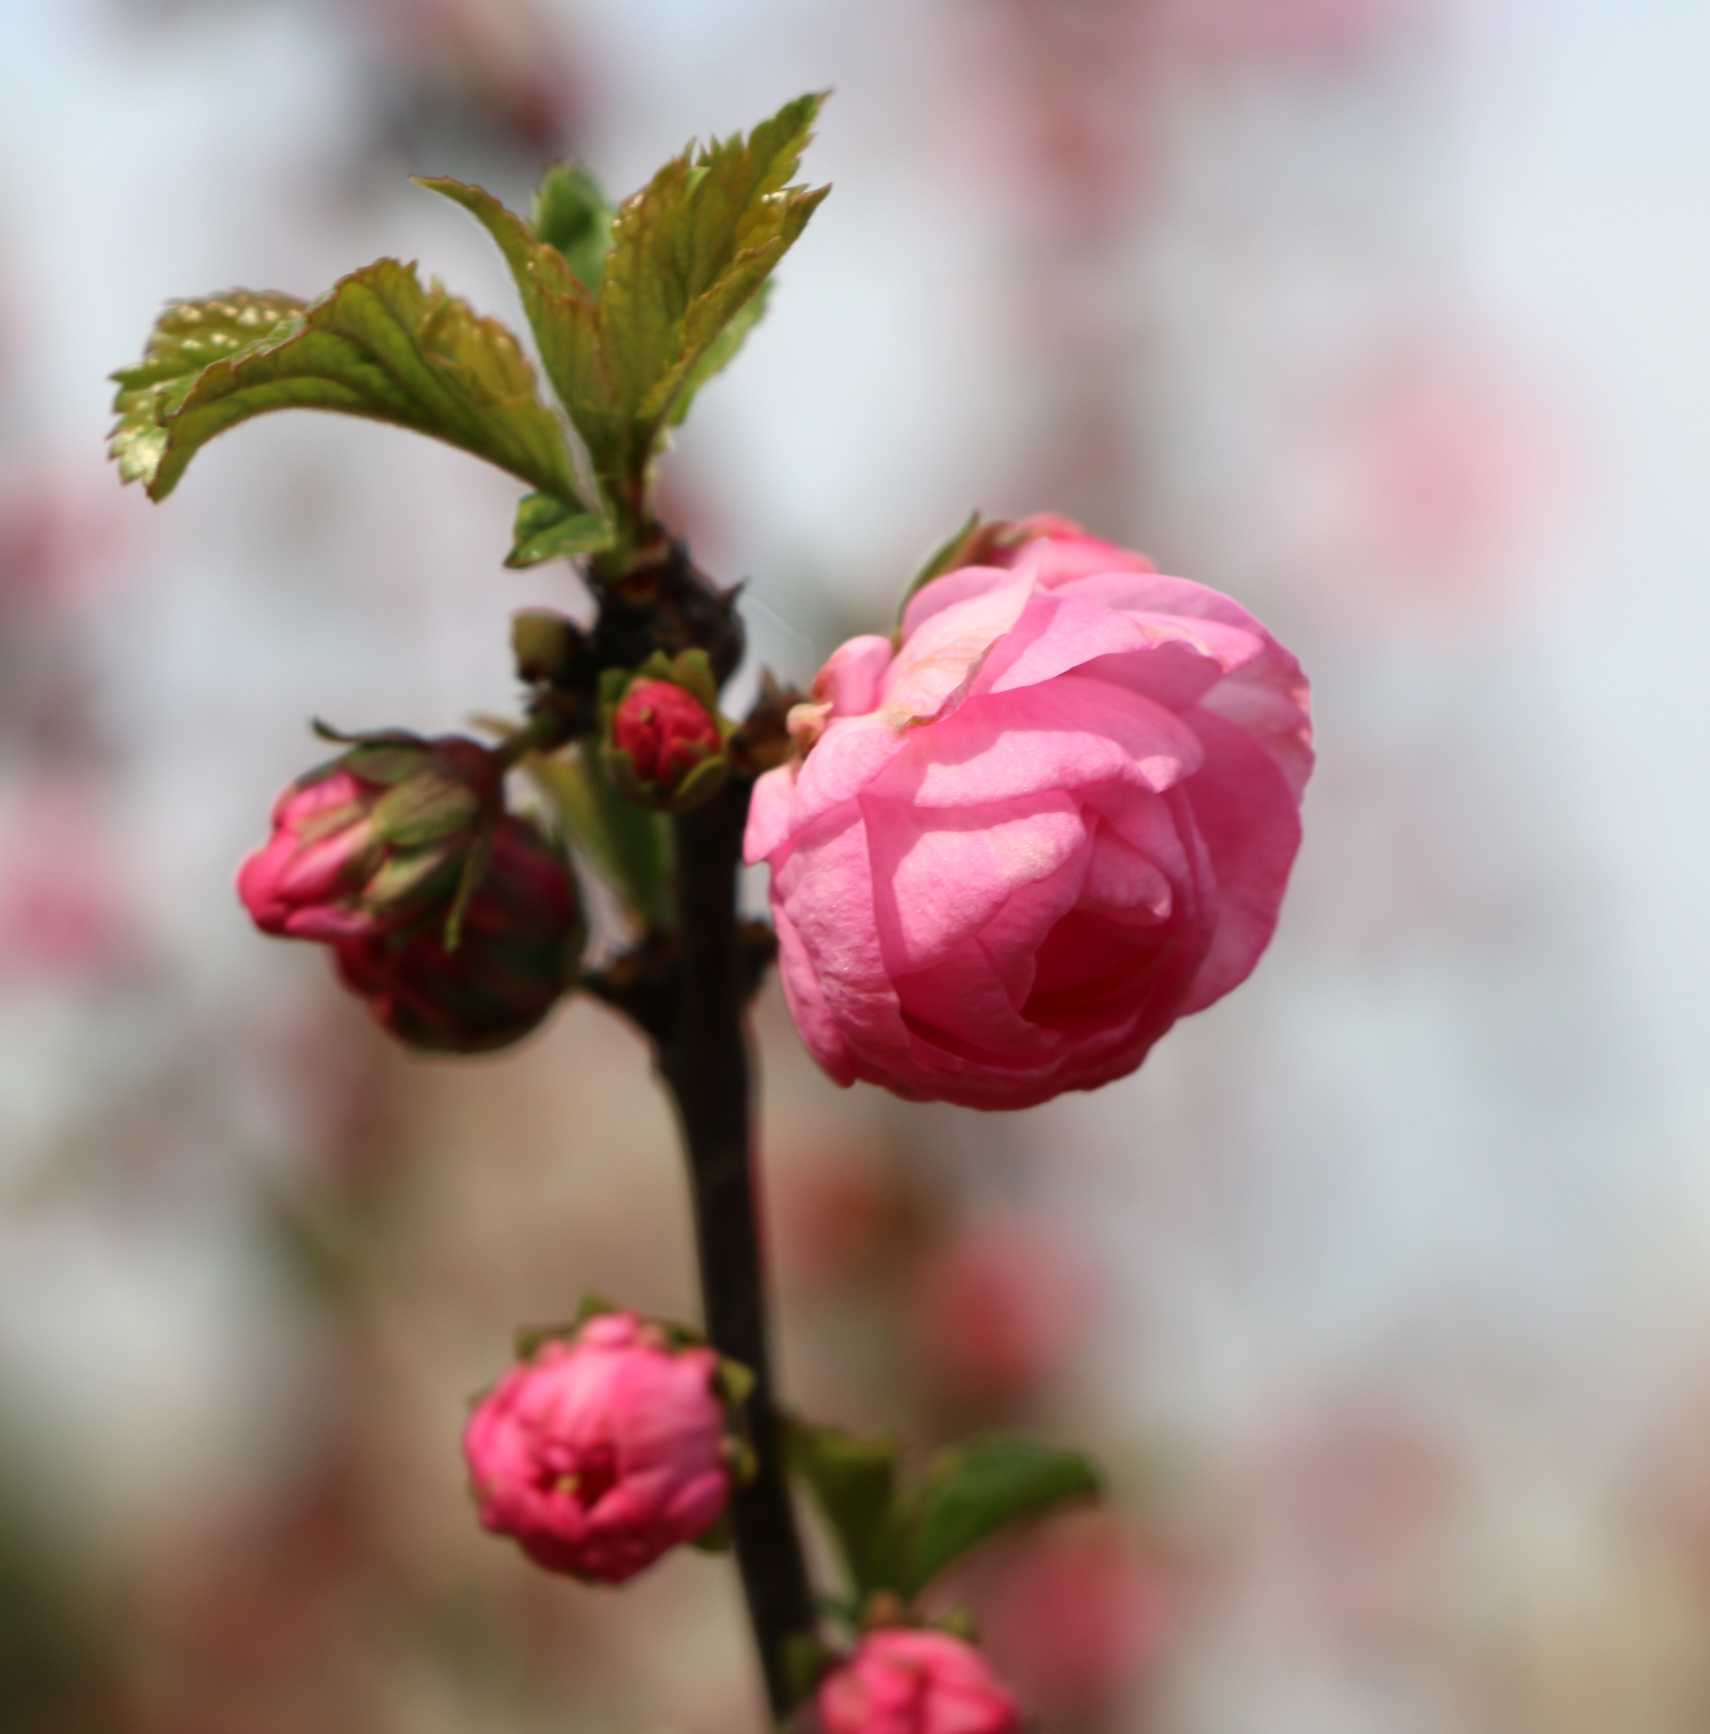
{"x":915,"y":1682}
{"x":1077,"y":1617}
{"x":998,"y":1309}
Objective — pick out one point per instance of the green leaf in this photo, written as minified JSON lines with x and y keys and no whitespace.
{"x":548,"y":528}
{"x":628,"y":846}
{"x":719,"y":354}
{"x":854,"y":1481}
{"x":946,"y":557}
{"x":376,"y":345}
{"x":976,"y":1490}
{"x":573,"y":215}
{"x":425,"y":808}
{"x":688,"y":257}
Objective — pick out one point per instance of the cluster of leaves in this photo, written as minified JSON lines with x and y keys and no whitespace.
{"x":632,"y":309}
{"x":895,"y":1540}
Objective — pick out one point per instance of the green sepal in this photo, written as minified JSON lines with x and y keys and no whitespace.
{"x":689,"y":669}
{"x":626,"y":844}
{"x":384,"y":761}
{"x":409,"y":877}
{"x":735,"y":1382}
{"x":952,"y":552}
{"x":572,"y":214}
{"x":526,"y":1340}
{"x":425,"y":808}
{"x":717,"y":1539}
{"x":548,"y":528}
{"x":692,"y":671}
{"x":973,"y":1491}
{"x":474,"y":870}
{"x":854,"y":1483}
{"x":377,"y":345}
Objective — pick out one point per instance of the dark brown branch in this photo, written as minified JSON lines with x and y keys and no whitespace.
{"x":704,"y":1059}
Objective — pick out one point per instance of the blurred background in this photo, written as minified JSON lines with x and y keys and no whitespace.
{"x":1383,"y":1291}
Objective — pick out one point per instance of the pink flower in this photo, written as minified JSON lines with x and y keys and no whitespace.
{"x":1057,"y":816}
{"x":915,"y":1682}
{"x":998,"y":1309}
{"x":520,"y":941}
{"x":371,"y":839}
{"x":1077,"y":1618}
{"x":600,"y":1453}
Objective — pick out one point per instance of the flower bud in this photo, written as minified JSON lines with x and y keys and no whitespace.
{"x":373,"y":839}
{"x":900,"y":1681}
{"x":663,"y":743}
{"x":548,"y":646}
{"x":603,"y":1451}
{"x":517,"y":943}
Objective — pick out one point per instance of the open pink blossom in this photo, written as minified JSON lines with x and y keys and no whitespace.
{"x":1057,"y":815}
{"x":600,"y":1453}
{"x":915,"y":1682}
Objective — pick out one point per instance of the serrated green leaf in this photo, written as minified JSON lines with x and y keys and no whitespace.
{"x":548,"y":528}
{"x":377,"y":345}
{"x":688,"y":257}
{"x":719,"y":354}
{"x":572,"y":214}
{"x":627,"y":845}
{"x":854,"y":1482}
{"x":977,"y":1489}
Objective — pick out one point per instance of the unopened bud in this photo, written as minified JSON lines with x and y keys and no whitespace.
{"x":603,"y":1450}
{"x":517,"y":941}
{"x":374,"y":839}
{"x":663,"y":740}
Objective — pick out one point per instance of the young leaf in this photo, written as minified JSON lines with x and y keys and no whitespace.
{"x":573,"y":215}
{"x":854,"y":1482}
{"x":628,"y":846}
{"x":678,"y":288}
{"x":977,"y":1489}
{"x":548,"y":528}
{"x":376,"y":345}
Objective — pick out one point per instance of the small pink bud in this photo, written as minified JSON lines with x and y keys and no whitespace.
{"x":600,"y":1453}
{"x":666,"y":732}
{"x":518,"y":946}
{"x":371,"y":840}
{"x":915,"y":1682}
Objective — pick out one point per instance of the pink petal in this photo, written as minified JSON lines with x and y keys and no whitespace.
{"x":1069,"y":734}
{"x":941,"y":874}
{"x":1247,"y":815}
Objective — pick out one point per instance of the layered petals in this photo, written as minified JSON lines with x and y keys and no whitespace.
{"x":601,"y":1452}
{"x":1060,"y":816}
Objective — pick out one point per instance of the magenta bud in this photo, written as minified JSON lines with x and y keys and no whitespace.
{"x":603,"y":1450}
{"x":903,"y":1681}
{"x":372,"y":840}
{"x":518,"y":939}
{"x":663,"y":741}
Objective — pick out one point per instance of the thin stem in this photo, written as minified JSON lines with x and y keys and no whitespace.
{"x":703,"y":1057}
